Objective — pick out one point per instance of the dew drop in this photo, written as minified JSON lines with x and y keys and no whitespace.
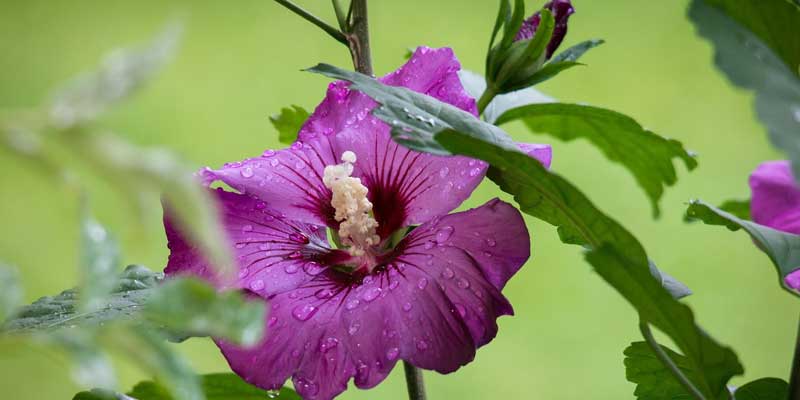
{"x":246,"y":172}
{"x":371,"y":294}
{"x":324,"y":294}
{"x":273,"y":393}
{"x":444,"y":171}
{"x":429,"y":245}
{"x":448,"y":273}
{"x":461,"y":310}
{"x":422,"y":345}
{"x":328,"y":344}
{"x":313,"y":268}
{"x":394,"y":285}
{"x":298,"y":238}
{"x":240,"y":245}
{"x":354,"y":327}
{"x":462,"y":283}
{"x":272,"y":321}
{"x":268,"y":153}
{"x":443,"y":234}
{"x":274,"y":162}
{"x":247,"y":228}
{"x":304,"y":312}
{"x":392,"y":354}
{"x":422,"y":283}
{"x":474,"y":172}
{"x":306,"y":387}
{"x":295,"y":255}
{"x":291,"y":268}
{"x":491,"y":242}
{"x":256,"y":285}
{"x":243,"y":272}
{"x":407,"y":307}
{"x":351,"y":304}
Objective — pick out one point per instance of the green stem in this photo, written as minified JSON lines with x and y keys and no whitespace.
{"x":794,"y":379}
{"x":486,"y":98}
{"x":664,"y":358}
{"x":416,"y":387}
{"x":341,"y":18}
{"x":358,"y":37}
{"x":333,"y":32}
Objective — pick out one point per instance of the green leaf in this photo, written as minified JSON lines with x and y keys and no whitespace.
{"x":193,"y":307}
{"x":50,"y":313}
{"x":764,"y":389}
{"x":577,"y":51}
{"x":645,"y":154}
{"x":781,"y":247}
{"x":222,"y":386}
{"x":616,"y":255}
{"x":548,"y":71}
{"x":289,"y":122}
{"x":653,"y":380}
{"x":121,"y":73}
{"x":99,"y":260}
{"x":738,"y":208}
{"x":90,"y":366}
{"x":713,"y":363}
{"x":757,"y":46}
{"x":10,"y":292}
{"x":101,"y":394}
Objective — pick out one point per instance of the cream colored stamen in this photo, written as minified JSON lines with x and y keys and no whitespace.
{"x":356,"y":226}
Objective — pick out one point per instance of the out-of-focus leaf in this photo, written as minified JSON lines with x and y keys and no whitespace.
{"x":10,"y":292}
{"x":675,"y":288}
{"x":577,"y":51}
{"x":99,"y":260}
{"x":763,"y":389}
{"x":615,"y":254}
{"x":738,"y":208}
{"x":757,"y":46}
{"x":648,"y":156}
{"x":152,"y":354}
{"x":90,"y":365}
{"x":101,"y":394}
{"x":134,"y":170}
{"x":475,"y":85}
{"x":191,"y":306}
{"x":61,"y":311}
{"x":782,"y":248}
{"x":289,"y":122}
{"x":653,"y":380}
{"x":222,"y":386}
{"x":122,"y":72}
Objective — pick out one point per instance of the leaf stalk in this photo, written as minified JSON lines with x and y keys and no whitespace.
{"x":414,"y":382}
{"x":664,"y":358}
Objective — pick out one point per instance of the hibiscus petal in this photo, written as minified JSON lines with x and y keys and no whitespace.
{"x":541,"y":152}
{"x":289,"y":180}
{"x":274,"y":255}
{"x":775,"y":197}
{"x":432,"y":304}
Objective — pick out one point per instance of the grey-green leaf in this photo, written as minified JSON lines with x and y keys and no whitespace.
{"x":99,"y":261}
{"x":763,"y":389}
{"x":738,"y":208}
{"x":101,"y":394}
{"x":475,"y":85}
{"x":757,"y":46}
{"x":288,"y":123}
{"x":10,"y":292}
{"x":90,"y":365}
{"x":121,"y":73}
{"x":50,"y":313}
{"x":781,"y":247}
{"x":577,"y":51}
{"x":646,"y":155}
{"x":222,"y":386}
{"x":192,"y":307}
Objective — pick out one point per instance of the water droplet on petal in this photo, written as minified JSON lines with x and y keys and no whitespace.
{"x":422,"y":345}
{"x":463,"y":283}
{"x":246,"y":172}
{"x":272,"y":321}
{"x":371,"y":294}
{"x":443,"y":234}
{"x":474,"y":172}
{"x":244,"y":272}
{"x":304,"y":312}
{"x":407,"y":307}
{"x":328,"y":343}
{"x":491,"y":242}
{"x":256,"y":285}
{"x":351,"y":304}
{"x":295,"y":255}
{"x":247,"y":228}
{"x":269,"y":153}
{"x":298,"y":238}
{"x":291,"y":268}
{"x":354,"y":327}
{"x":313,"y":268}
{"x":429,"y":245}
{"x":306,"y":388}
{"x":448,"y":273}
{"x":444,"y":171}
{"x":422,"y":283}
{"x":392,"y":354}
{"x":394,"y":285}
{"x":324,"y":294}
{"x":461,"y":310}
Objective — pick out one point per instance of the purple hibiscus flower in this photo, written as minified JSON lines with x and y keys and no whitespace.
{"x":430,"y":297}
{"x":776,"y":203}
{"x":561,"y":10}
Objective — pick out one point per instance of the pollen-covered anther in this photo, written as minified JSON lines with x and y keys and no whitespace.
{"x":356,"y":225}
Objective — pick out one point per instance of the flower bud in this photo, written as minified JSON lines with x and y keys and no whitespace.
{"x":561,"y":10}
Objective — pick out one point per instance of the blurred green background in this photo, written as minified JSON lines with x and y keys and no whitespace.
{"x":240,"y":62}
